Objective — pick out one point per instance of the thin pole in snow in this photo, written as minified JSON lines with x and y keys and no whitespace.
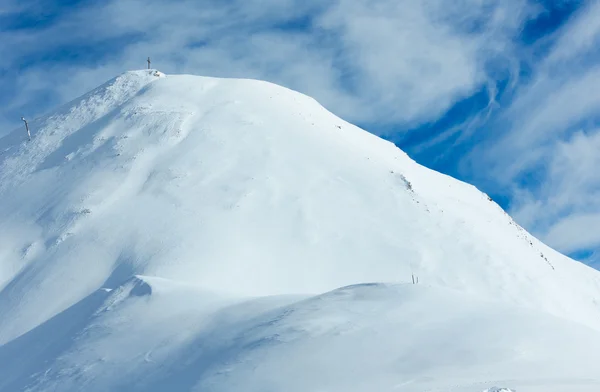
{"x":27,"y":128}
{"x":148,"y":62}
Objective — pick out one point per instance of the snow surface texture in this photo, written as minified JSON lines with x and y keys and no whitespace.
{"x":177,"y":233}
{"x":496,"y":389}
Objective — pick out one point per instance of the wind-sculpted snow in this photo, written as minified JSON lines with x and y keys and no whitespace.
{"x":257,"y":193}
{"x":373,"y":337}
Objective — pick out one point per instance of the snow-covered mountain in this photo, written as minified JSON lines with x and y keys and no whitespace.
{"x":190,"y":233}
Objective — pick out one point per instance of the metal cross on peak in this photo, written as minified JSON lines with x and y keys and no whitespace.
{"x":148,"y":62}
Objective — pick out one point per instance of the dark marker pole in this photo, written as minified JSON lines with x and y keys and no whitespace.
{"x":26,"y":127}
{"x":148,"y":62}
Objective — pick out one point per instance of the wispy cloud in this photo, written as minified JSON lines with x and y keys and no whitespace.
{"x":545,"y":150}
{"x":371,"y":61}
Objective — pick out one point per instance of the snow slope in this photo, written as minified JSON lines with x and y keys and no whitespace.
{"x":236,"y":189}
{"x":359,"y":338}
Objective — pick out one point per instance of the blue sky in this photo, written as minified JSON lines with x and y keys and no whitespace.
{"x":502,"y":94}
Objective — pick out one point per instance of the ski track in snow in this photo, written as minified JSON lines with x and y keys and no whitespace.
{"x":192,"y":234}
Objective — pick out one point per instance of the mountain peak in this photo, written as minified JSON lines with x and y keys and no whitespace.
{"x":251,"y":189}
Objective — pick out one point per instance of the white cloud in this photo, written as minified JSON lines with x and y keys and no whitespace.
{"x":578,"y":37}
{"x":575,"y":232}
{"x":384,"y":61}
{"x":569,"y":191}
{"x":412,"y":68}
{"x":548,"y":150}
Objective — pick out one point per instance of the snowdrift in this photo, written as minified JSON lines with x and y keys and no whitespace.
{"x":156,"y":335}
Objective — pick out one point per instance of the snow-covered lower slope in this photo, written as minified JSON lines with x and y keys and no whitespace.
{"x":245,"y":189}
{"x":155,"y":335}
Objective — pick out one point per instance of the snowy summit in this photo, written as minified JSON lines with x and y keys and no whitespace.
{"x":186,"y":233}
